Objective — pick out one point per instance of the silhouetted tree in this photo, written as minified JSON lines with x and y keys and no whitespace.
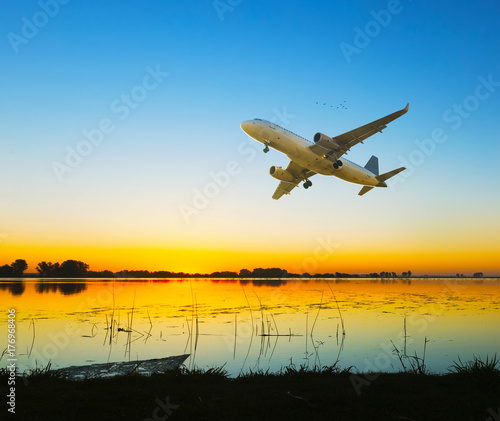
{"x":73,"y":269}
{"x":245,"y":273}
{"x":109,"y":274}
{"x":321,"y":275}
{"x":18,"y":267}
{"x":6,"y":271}
{"x":268,"y":273}
{"x":224,"y":274}
{"x":48,"y":270}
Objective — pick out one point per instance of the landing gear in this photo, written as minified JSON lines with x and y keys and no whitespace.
{"x":307,"y":184}
{"x":337,"y":164}
{"x":266,"y":149}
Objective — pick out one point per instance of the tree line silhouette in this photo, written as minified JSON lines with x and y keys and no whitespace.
{"x":67,"y":269}
{"x":78,"y":269}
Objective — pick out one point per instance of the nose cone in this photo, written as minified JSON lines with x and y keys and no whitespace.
{"x":246,"y":126}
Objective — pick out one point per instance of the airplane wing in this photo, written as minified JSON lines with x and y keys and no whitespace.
{"x":347,"y":140}
{"x":300,"y":173}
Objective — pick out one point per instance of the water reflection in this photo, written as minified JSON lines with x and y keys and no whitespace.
{"x":252,"y":323}
{"x":49,"y":285}
{"x":15,"y":288}
{"x":65,"y":288}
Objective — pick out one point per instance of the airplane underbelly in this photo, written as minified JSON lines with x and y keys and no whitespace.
{"x":311,"y":161}
{"x":307,"y":159}
{"x":354,"y":174}
{"x":348,"y":171}
{"x":281,"y":144}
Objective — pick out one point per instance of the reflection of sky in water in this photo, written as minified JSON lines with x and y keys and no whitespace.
{"x":70,"y":322}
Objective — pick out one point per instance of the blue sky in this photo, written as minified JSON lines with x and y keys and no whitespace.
{"x":226,"y":64}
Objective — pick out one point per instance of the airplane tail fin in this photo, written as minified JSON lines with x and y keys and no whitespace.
{"x":372,"y":165}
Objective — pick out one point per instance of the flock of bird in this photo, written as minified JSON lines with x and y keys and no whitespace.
{"x":341,"y":105}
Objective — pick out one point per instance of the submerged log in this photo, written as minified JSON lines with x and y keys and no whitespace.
{"x":144,"y":367}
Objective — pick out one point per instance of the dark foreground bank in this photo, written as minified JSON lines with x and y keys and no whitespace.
{"x":294,"y":395}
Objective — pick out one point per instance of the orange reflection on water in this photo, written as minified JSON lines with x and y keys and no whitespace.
{"x":71,"y":321}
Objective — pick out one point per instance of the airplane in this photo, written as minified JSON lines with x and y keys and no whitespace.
{"x":323,"y":156}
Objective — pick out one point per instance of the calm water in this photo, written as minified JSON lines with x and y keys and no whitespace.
{"x":221,"y":322}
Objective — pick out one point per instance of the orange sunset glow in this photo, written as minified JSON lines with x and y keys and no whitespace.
{"x":208,"y":261}
{"x":137,"y":160}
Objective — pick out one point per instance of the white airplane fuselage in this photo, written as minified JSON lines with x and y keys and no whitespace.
{"x":297,"y":149}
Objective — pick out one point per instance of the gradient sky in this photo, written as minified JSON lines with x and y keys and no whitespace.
{"x":122,"y":205}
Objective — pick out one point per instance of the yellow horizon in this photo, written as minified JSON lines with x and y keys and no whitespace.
{"x":208,"y":261}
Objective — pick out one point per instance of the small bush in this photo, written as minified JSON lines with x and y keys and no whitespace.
{"x":477,"y":368}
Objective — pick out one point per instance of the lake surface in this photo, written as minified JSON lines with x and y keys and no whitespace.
{"x":221,"y":322}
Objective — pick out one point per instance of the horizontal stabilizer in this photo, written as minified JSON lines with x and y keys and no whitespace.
{"x":387,"y":175}
{"x":372,"y":165}
{"x":381,"y":178}
{"x":364,"y":190}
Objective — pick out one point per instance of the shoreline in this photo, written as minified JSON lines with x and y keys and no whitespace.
{"x":261,"y":279}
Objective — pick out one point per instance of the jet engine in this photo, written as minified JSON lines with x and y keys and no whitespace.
{"x":281,"y":174}
{"x":321,"y":136}
{"x":324,"y":139}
